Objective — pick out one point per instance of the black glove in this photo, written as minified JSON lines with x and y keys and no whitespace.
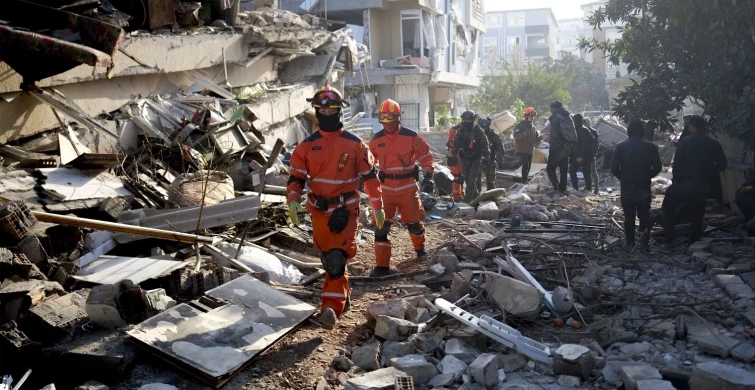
{"x":381,"y":176}
{"x":427,"y":184}
{"x":338,"y":220}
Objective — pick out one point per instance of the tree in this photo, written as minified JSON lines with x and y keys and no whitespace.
{"x":535,"y":86}
{"x":587,"y":88}
{"x":679,"y":49}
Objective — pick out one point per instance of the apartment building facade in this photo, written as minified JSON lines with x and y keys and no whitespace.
{"x":570,"y":31}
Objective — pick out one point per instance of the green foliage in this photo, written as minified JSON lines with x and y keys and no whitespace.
{"x":443,"y":118}
{"x":587,"y":88}
{"x":517,"y":109}
{"x":703,"y":49}
{"x":536,"y":86}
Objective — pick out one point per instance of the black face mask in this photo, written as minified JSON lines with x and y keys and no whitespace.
{"x":468,"y":126}
{"x":329,"y":123}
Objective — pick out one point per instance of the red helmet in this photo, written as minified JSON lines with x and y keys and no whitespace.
{"x":529,"y":110}
{"x":389,"y":111}
{"x":327,"y":97}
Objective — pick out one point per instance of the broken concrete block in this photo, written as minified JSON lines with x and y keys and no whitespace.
{"x":697,"y":331}
{"x":569,"y":381}
{"x":17,"y":298}
{"x":635,"y":348}
{"x":461,"y":351}
{"x":415,"y":366}
{"x":427,"y":342}
{"x":368,"y":357}
{"x":718,"y":345}
{"x":15,"y":341}
{"x":744,"y":352}
{"x":57,"y":317}
{"x":665,"y":329}
{"x":111,"y":208}
{"x":699,"y":246}
{"x":487,"y":211}
{"x":341,"y":363}
{"x":437,"y":269}
{"x":463,"y":210}
{"x":102,"y":306}
{"x":574,"y":360}
{"x":51,"y":386}
{"x":394,"y":329}
{"x":484,"y":370}
{"x":103,"y":355}
{"x":654,"y":384}
{"x":442,"y":380}
{"x":513,"y":296}
{"x":630,"y":375}
{"x":394,"y":349}
{"x":448,"y":260}
{"x":92,"y":385}
{"x":480,"y":239}
{"x":714,"y":375}
{"x":451,"y":365}
{"x":511,"y":362}
{"x":395,"y":308}
{"x":382,"y":379}
{"x":563,"y":299}
{"x":157,"y":300}
{"x":33,"y":249}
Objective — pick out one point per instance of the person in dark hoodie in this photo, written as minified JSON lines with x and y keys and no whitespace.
{"x":582,"y":155}
{"x":560,"y":147}
{"x":635,"y":162}
{"x":698,"y":160}
{"x":592,"y":155}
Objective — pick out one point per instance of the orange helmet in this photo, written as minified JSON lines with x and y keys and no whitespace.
{"x":389,"y":111}
{"x":327,"y":97}
{"x":529,"y":110}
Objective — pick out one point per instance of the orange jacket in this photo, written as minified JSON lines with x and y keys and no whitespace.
{"x":397,"y":154}
{"x":333,"y":162}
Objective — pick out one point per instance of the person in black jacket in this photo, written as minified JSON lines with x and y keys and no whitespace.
{"x":582,"y":155}
{"x":592,"y":154}
{"x":636,"y":161}
{"x":698,"y":159}
{"x":558,"y":155}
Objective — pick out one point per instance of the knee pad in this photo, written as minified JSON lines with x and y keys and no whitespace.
{"x":382,"y":233}
{"x":416,"y":228}
{"x":334,"y":262}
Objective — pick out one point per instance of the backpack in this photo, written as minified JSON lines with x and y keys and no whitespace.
{"x":567,"y":130}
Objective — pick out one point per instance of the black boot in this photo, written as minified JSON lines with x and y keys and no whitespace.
{"x":421,"y":255}
{"x":380,"y":272}
{"x":645,"y":242}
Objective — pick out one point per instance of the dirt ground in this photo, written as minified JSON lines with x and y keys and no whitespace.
{"x":301,"y":358}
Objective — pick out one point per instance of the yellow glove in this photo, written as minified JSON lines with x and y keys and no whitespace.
{"x":294,"y":208}
{"x":379,"y":218}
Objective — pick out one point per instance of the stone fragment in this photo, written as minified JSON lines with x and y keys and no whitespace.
{"x":57,"y":317}
{"x":563,"y":299}
{"x":17,"y":298}
{"x":723,"y":280}
{"x":394,"y":329}
{"x":104,"y":355}
{"x":739,"y":268}
{"x":33,"y":249}
{"x":92,"y":385}
{"x":665,"y":329}
{"x":448,"y":260}
{"x":574,"y":360}
{"x":481,"y":239}
{"x":51,"y":386}
{"x":715,"y":375}
{"x":718,"y":345}
{"x":569,"y":381}
{"x":457,"y":348}
{"x":484,"y":370}
{"x":394,"y":349}
{"x":341,"y":363}
{"x":157,"y":300}
{"x":744,"y":352}
{"x":111,"y":208}
{"x":415,"y":366}
{"x":442,"y":380}
{"x":610,"y":375}
{"x":452,"y":365}
{"x":749,"y":278}
{"x":102,"y":306}
{"x":511,"y":362}
{"x":630,"y":375}
{"x":395,"y":308}
{"x":437,"y":269}
{"x":697,"y":332}
{"x":427,"y":342}
{"x":513,"y":296}
{"x":699,"y":246}
{"x":368,"y":357}
{"x":487,"y":211}
{"x":635,"y":348}
{"x":654,"y":384}
{"x":15,"y":341}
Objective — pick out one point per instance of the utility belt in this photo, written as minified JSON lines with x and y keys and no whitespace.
{"x":414,"y":174}
{"x":322,"y":203}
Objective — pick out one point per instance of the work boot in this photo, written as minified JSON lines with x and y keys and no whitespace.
{"x":347,"y":306}
{"x":380,"y":272}
{"x":596,"y":192}
{"x":645,"y":242}
{"x":421,"y":255}
{"x":327,"y":319}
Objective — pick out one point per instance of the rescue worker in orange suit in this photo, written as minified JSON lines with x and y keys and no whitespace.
{"x":454,"y":165}
{"x":331,"y":161}
{"x":397,"y":150}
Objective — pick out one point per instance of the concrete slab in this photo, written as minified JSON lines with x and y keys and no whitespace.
{"x":631,"y":375}
{"x":714,"y":375}
{"x":718,"y":345}
{"x":744,"y":352}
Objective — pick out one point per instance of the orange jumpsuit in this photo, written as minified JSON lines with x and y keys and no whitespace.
{"x":397,"y":155}
{"x":332,"y":163}
{"x":457,"y":186}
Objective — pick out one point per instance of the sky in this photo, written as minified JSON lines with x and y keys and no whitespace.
{"x":564,"y":9}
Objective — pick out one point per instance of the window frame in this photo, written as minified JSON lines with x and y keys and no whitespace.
{"x":489,"y":24}
{"x":413,"y":14}
{"x":517,"y":15}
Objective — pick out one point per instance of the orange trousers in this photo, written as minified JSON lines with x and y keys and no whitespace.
{"x":457,"y":189}
{"x":410,"y":207}
{"x":335,"y":292}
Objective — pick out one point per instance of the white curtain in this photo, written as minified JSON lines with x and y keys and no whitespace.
{"x":440,"y":32}
{"x":429,"y":30}
{"x":417,"y":34}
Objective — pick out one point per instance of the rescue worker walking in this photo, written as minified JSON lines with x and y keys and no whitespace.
{"x":583,"y":154}
{"x":471,"y":144}
{"x":454,"y":165}
{"x":397,"y":151}
{"x":496,"y":153}
{"x":698,"y":160}
{"x":331,"y":161}
{"x":526,"y":139}
{"x":592,"y":155}
{"x":560,"y":146}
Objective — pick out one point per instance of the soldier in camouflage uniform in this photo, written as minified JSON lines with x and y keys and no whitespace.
{"x":472,"y":145}
{"x":496,"y":154}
